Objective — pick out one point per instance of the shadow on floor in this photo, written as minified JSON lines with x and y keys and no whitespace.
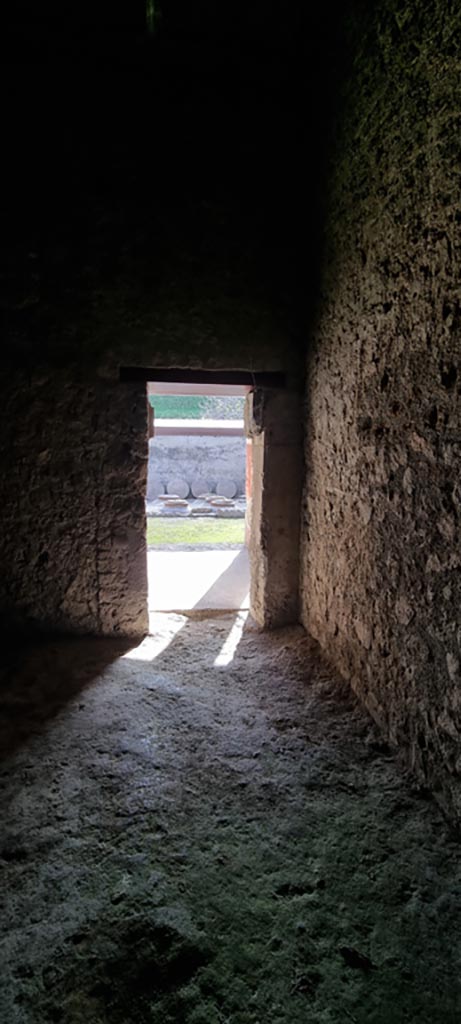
{"x":231,"y":590}
{"x":39,"y":677}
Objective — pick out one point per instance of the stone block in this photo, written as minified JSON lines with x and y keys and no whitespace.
{"x":178,"y":487}
{"x":199,"y":486}
{"x":226,"y":487}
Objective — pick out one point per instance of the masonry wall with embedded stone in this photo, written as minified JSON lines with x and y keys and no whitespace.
{"x":72,"y":490}
{"x":273,"y":422}
{"x":148,"y":235}
{"x":381,"y":558}
{"x":194,"y":457}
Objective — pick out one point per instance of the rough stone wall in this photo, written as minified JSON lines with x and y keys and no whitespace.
{"x":150,"y":216}
{"x":148,"y":233}
{"x":273,"y":421}
{"x":72,"y":544}
{"x":117,"y":250}
{"x":381,"y":581}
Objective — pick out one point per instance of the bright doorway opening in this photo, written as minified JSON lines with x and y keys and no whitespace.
{"x":197,"y":501}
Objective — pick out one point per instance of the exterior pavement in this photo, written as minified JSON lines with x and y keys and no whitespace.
{"x":199,"y":580}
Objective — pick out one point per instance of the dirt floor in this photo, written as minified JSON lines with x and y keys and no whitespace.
{"x":208,"y":830}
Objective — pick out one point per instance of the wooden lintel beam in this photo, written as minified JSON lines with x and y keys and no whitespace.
{"x":176,"y":375}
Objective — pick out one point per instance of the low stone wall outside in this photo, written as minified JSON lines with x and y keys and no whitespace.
{"x":193,"y":458}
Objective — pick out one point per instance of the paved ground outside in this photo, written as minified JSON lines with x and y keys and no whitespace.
{"x":200,"y":580}
{"x":158,"y":509}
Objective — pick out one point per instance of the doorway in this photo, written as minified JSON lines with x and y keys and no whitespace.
{"x":273,"y":438}
{"x":197,"y":498}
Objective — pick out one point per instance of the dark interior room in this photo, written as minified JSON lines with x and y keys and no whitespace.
{"x":247,"y":815}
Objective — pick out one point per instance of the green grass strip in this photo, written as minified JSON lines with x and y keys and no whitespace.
{"x":193,"y":531}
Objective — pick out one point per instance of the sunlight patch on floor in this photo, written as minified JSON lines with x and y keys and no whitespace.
{"x":229,"y":647}
{"x":163,"y":629}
